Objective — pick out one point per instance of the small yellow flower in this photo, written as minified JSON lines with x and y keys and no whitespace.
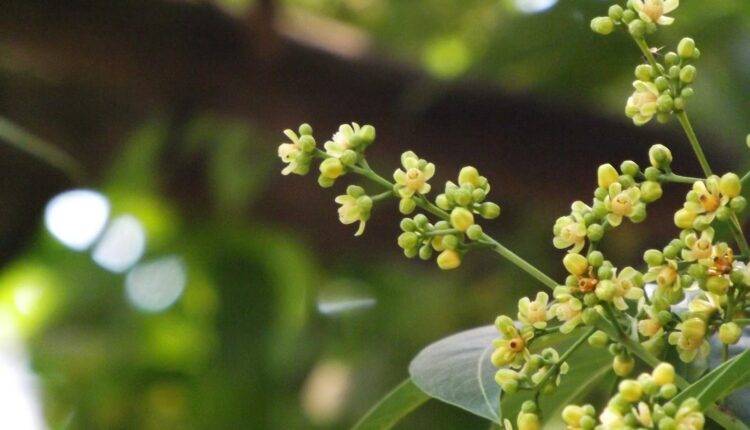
{"x":708,"y":199}
{"x":688,"y":416}
{"x":621,"y":203}
{"x":643,"y":415}
{"x":655,"y":10}
{"x":568,"y":310}
{"x":642,"y":105}
{"x":570,"y":231}
{"x":612,"y":419}
{"x":512,"y":348}
{"x":414,"y":176}
{"x":651,"y":326}
{"x":343,"y":140}
{"x":297,"y":154}
{"x":665,"y":275}
{"x":628,"y":285}
{"x":699,"y":248}
{"x":690,"y":339}
{"x":534,"y":313}
{"x":355,"y":207}
{"x":705,"y":305}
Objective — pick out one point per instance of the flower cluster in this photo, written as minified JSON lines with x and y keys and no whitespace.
{"x":642,"y":403}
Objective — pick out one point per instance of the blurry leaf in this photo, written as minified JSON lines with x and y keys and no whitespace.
{"x":721,"y":381}
{"x":137,"y":164}
{"x":458,"y":371}
{"x":393,"y":407}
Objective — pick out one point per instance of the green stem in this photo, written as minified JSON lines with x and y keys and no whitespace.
{"x":382,"y":196}
{"x":520,"y":262}
{"x":555,"y":367}
{"x":739,"y":237}
{"x":442,"y":232}
{"x":745,"y":179}
{"x":678,"y":179}
{"x":688,"y":127}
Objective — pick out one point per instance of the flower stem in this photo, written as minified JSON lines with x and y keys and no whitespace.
{"x":520,"y":262}
{"x":678,"y":179}
{"x":688,"y":127}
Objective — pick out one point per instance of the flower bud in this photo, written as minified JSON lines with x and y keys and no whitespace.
{"x":590,"y":315}
{"x":637,"y":28}
{"x":606,"y":175}
{"x":602,"y":25}
{"x":629,"y":167}
{"x":407,"y":206}
{"x":606,"y":290}
{"x":595,"y":258}
{"x":407,"y":240}
{"x":730,"y":333}
{"x":628,"y":15}
{"x":663,"y":374}
{"x":528,"y":421}
{"x":489,"y":210}
{"x":686,"y":48}
{"x":687,"y":92}
{"x":331,"y":168}
{"x":576,"y":264}
{"x":468,"y":175}
{"x":730,"y":185}
{"x":660,"y":156}
{"x":684,"y":218}
{"x":687,"y":74}
{"x":615,"y":12}
{"x":595,"y":232}
{"x":643,"y":72}
{"x":717,"y":284}
{"x":449,"y":259}
{"x":653,"y":257}
{"x":605,"y":272}
{"x":367,"y":134}
{"x":630,"y":390}
{"x":650,"y":191}
{"x":474,"y":232}
{"x":461,"y":219}
{"x":305,"y":130}
{"x":668,"y":391}
{"x":723,"y":213}
{"x":623,"y":365}
{"x":738,"y":204}
{"x":679,"y":103}
{"x":598,"y":339}
{"x":652,"y":173}
{"x":639,"y":213}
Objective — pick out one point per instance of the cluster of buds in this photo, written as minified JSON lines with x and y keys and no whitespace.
{"x":345,"y":149}
{"x":467,"y":198}
{"x":641,"y":403}
{"x":421,"y":238}
{"x":641,"y":17}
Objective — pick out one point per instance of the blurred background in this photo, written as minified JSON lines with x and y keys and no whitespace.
{"x":156,"y":271}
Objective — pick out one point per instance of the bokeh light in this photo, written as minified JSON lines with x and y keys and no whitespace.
{"x":121,"y":245}
{"x":156,"y":285}
{"x":76,"y":218}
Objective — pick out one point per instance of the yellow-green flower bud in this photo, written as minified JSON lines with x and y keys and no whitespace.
{"x":443,"y":202}
{"x":637,"y":28}
{"x":717,"y":284}
{"x":461,"y":219}
{"x":686,"y":48}
{"x":664,"y":103}
{"x":738,"y":204}
{"x":407,"y":206}
{"x":598,"y":339}
{"x":602,"y":25}
{"x":730,"y":185}
{"x":449,"y":259}
{"x":528,"y":421}
{"x":615,"y":12}
{"x":469,"y":175}
{"x":662,"y":83}
{"x":687,"y":74}
{"x":653,"y":257}
{"x":407,"y":240}
{"x":730,"y":333}
{"x":474,"y":232}
{"x":687,"y":92}
{"x":629,"y":167}
{"x":590,"y":315}
{"x":489,"y":210}
{"x":576,"y":264}
{"x":595,"y":232}
{"x":623,"y":365}
{"x":684,"y":218}
{"x":628,"y":15}
{"x":650,"y":191}
{"x":305,"y":129}
{"x":663,"y":374}
{"x":630,"y":390}
{"x":595,"y":258}
{"x":679,"y":103}
{"x":644,"y":72}
{"x":331,"y":168}
{"x":367,"y":134}
{"x":606,"y":175}
{"x":668,"y":391}
{"x":660,"y":156}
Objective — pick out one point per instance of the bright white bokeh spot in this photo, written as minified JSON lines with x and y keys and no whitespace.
{"x":335,"y":306}
{"x":155,"y":286}
{"x":534,"y":6}
{"x":76,"y":218}
{"x":20,"y":407}
{"x":121,"y":245}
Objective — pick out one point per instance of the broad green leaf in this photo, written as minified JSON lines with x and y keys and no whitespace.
{"x":458,"y":371}
{"x":721,"y":381}
{"x":397,"y":404}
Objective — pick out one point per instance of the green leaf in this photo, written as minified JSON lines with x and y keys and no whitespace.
{"x":721,"y":381}
{"x":457,"y":370}
{"x":397,"y":404}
